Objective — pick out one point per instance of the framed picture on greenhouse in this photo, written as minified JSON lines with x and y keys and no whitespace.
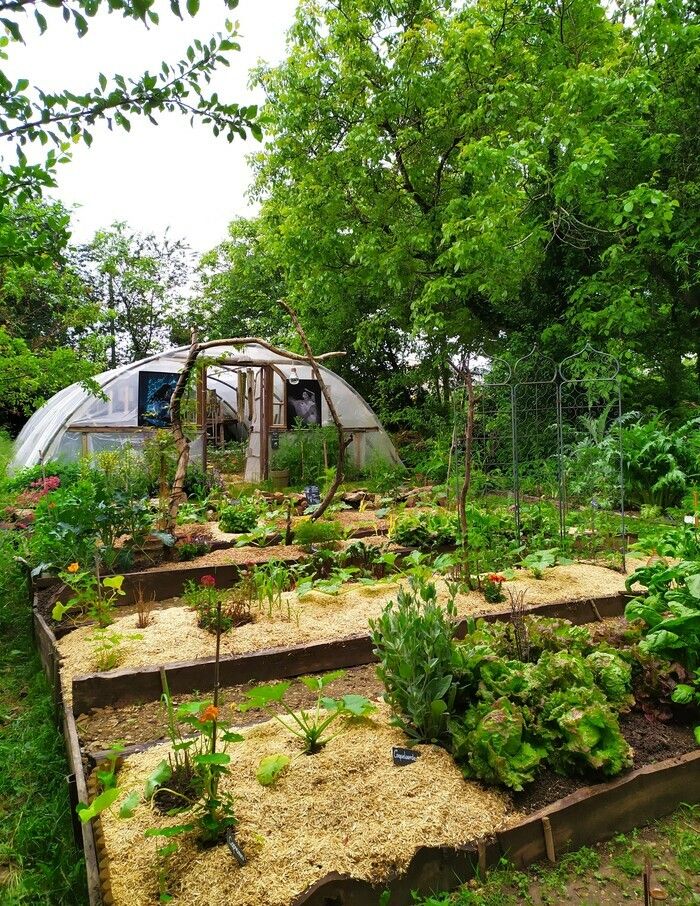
{"x":155,"y":390}
{"x":303,"y":403}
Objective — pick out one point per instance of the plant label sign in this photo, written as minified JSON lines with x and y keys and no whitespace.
{"x":234,"y":848}
{"x":313,"y":495}
{"x":403,"y":756}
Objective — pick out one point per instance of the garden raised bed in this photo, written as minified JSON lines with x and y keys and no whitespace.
{"x":477,"y":839}
{"x":142,"y":684}
{"x":588,"y":815}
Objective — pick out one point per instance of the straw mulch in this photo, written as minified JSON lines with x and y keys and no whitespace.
{"x":173,"y":634}
{"x":346,"y":809}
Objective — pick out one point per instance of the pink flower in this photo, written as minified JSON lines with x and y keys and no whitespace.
{"x":208,"y":581}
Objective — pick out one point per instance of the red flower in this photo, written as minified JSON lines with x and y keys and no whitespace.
{"x":208,"y":581}
{"x":496,"y":577}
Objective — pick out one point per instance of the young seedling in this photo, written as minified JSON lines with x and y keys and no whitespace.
{"x":312,"y":727}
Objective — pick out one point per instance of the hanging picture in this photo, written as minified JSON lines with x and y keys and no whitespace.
{"x":155,"y":390}
{"x":303,"y":403}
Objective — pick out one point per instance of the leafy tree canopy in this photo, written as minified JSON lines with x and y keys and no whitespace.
{"x":57,"y":120}
{"x":448,"y":176}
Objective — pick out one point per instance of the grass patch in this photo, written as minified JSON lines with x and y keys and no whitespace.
{"x":609,"y":873}
{"x":39,"y":863}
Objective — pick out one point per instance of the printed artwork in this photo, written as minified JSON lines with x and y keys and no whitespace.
{"x":303,"y":403}
{"x":155,"y":390}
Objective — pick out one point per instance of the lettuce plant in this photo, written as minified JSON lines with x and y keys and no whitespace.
{"x":583,"y":733}
{"x":491,"y":743}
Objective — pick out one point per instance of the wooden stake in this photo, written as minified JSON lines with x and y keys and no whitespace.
{"x":481,"y":848}
{"x":549,"y":839}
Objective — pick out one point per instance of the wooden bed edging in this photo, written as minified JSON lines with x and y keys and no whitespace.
{"x":590,"y":815}
{"x":160,"y":584}
{"x":48,"y":654}
{"x":78,"y":792}
{"x":141,"y":684}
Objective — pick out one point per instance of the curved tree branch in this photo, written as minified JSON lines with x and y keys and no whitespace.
{"x":343,"y":443}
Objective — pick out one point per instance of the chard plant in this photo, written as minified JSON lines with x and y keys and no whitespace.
{"x":312,"y":727}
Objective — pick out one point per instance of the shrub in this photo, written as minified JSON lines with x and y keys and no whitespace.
{"x":239,"y":517}
{"x":413,"y":641}
{"x":309,"y":531}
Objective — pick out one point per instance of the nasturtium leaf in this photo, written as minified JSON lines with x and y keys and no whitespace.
{"x":157,"y":778}
{"x":129,"y":805}
{"x":270,"y":768}
{"x":98,"y":804}
{"x":212,"y":758}
{"x":169,"y":831}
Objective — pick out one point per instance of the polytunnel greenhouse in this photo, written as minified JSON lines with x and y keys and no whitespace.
{"x":250,"y":391}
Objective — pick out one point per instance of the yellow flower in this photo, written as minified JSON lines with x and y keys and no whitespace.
{"x":73,"y":567}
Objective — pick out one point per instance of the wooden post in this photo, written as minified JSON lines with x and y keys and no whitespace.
{"x":202,"y":420}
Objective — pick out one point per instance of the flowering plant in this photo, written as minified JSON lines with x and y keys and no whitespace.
{"x":38,"y":489}
{"x":204,"y":597}
{"x":93,"y":596}
{"x":491,"y":586}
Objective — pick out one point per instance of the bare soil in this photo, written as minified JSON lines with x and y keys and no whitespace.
{"x":145,"y":723}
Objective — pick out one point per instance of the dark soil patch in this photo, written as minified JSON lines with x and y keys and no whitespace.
{"x":138,"y":724}
{"x":652,"y":742}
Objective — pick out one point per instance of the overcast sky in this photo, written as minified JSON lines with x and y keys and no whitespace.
{"x":156,"y":176}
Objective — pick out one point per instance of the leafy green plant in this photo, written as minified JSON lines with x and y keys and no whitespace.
{"x":107,"y":647}
{"x":269,"y":581}
{"x":307,"y":532}
{"x":93,"y":596}
{"x":426,"y":530}
{"x":491,"y":742}
{"x":583,"y":733}
{"x":670,"y":611}
{"x":312,"y":727}
{"x":539,"y":561}
{"x":204,"y":597}
{"x":240,"y":517}
{"x":413,"y":641}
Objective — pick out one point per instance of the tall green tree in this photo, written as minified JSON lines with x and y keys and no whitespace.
{"x":442,"y":177}
{"x":139,"y":281}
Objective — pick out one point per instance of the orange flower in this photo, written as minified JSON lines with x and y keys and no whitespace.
{"x":73,"y":567}
{"x":209,"y":713}
{"x":496,"y":578}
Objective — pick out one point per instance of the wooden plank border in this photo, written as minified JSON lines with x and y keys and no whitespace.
{"x":131,"y":685}
{"x":78,"y":782}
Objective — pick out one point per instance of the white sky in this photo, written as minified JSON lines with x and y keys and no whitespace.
{"x":170,"y":175}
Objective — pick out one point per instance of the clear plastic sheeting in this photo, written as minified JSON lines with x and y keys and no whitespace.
{"x":54,"y":431}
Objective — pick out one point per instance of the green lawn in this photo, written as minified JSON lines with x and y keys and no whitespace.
{"x":39,"y":863}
